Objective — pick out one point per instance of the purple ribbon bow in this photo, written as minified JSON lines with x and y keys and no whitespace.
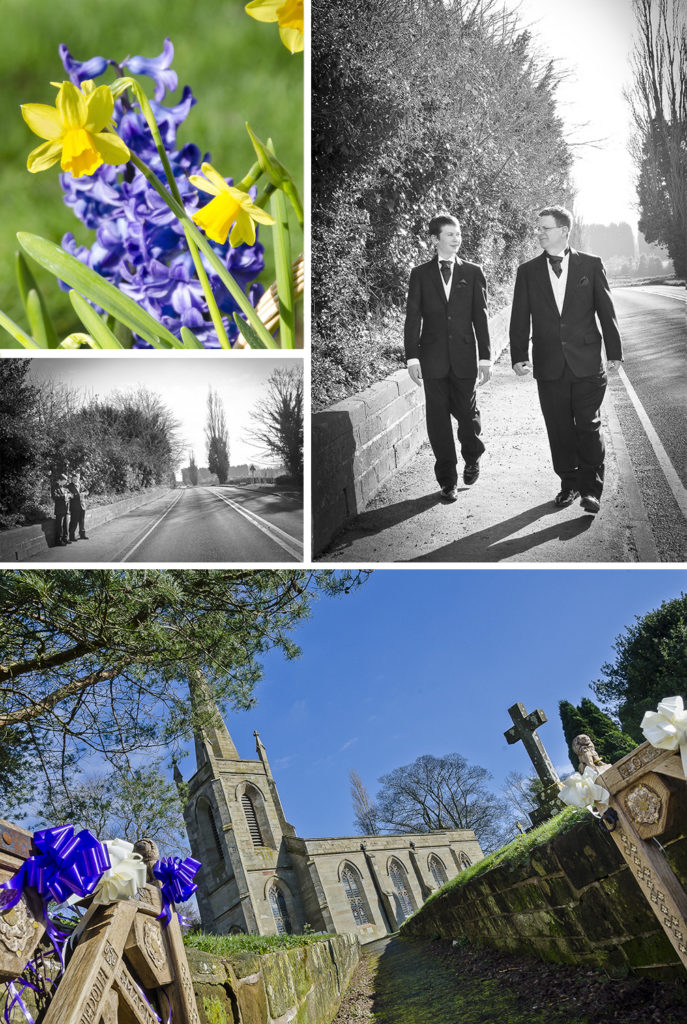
{"x":176,"y":876}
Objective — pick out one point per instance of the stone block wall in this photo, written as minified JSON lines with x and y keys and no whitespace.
{"x":303,"y":985}
{"x":27,"y":541}
{"x":358,"y":443}
{"x":571,"y":899}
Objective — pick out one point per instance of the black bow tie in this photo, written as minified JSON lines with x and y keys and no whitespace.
{"x":557,"y":262}
{"x":446,"y":266}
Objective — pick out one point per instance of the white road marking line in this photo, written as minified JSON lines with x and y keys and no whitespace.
{"x":148,"y":532}
{"x":280,"y":537}
{"x":639,"y":520}
{"x":673,"y":480}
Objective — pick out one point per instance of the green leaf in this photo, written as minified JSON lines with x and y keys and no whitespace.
{"x":284,"y":274}
{"x":248,"y":333}
{"x":276,"y":173}
{"x":189,"y":339}
{"x":39,"y":317}
{"x":21,"y":338}
{"x":100,"y":333}
{"x":97,"y":289}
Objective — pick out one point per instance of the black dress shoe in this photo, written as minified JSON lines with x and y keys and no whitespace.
{"x":450,"y":493}
{"x":565,"y":497}
{"x":470,"y":473}
{"x":82,"y":536}
{"x":73,"y":540}
{"x":590,"y":504}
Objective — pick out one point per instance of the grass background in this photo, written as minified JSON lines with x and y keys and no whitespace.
{"x":238,"y":69}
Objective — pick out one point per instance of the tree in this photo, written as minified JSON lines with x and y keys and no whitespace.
{"x":127,"y":805}
{"x":105,"y":661}
{"x":442,"y":792}
{"x":20,"y":443}
{"x":278,"y":419}
{"x":650,"y":664}
{"x":217,"y":437}
{"x":588,"y":719}
{"x":364,"y":810}
{"x":523,"y":794}
{"x":658,"y":104}
{"x":192,"y":470}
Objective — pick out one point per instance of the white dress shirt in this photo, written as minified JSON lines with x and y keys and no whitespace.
{"x":558,"y":283}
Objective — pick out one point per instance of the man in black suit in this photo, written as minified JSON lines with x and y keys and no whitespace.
{"x":558,"y":297}
{"x":77,"y":508}
{"x":446,"y":325}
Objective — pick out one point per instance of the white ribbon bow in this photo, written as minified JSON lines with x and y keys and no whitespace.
{"x":582,"y":790}
{"x":124,"y":877}
{"x":666,"y":728}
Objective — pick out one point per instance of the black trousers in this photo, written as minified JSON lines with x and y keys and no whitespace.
{"x":572,"y":412}
{"x":77,"y":520}
{"x":446,"y":397}
{"x":60,"y":524}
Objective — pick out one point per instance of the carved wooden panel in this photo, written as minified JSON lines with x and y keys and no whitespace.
{"x":146,"y":948}
{"x":21,"y":927}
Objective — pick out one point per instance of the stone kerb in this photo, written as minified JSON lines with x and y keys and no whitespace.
{"x":357,"y":444}
{"x":26,"y":541}
{"x":303,"y":985}
{"x":571,"y":900}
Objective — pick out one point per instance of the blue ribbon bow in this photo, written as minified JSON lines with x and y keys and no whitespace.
{"x":176,"y":876}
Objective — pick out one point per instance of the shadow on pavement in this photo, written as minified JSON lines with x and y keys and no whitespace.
{"x":379,"y":519}
{"x":493,"y":544}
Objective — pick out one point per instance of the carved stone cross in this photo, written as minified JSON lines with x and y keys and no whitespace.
{"x":524,"y":728}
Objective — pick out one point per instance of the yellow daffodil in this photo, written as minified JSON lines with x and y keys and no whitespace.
{"x":230,"y":206}
{"x":74,"y":130}
{"x":289,"y":14}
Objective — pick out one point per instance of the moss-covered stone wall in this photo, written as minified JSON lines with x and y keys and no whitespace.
{"x":563,"y":894}
{"x":302,"y":985}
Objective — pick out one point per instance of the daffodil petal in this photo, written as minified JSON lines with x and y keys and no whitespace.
{"x":100,"y":105}
{"x":71,"y":106}
{"x":79,"y":155}
{"x":215,"y":177}
{"x":243,"y":230}
{"x":43,"y":120}
{"x":88,"y":87}
{"x":201,"y":183}
{"x":263,"y":10}
{"x":293,"y":39}
{"x":261,"y":216}
{"x":44,"y":156}
{"x":290,"y":14}
{"x":111,"y":148}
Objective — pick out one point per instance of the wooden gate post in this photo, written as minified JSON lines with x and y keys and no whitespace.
{"x":642,"y":800}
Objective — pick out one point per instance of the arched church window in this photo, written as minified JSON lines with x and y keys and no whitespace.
{"x":209,"y":833}
{"x":465,"y":861}
{"x":279,"y":911}
{"x":400,"y":883}
{"x":438,"y":870}
{"x":349,"y":880}
{"x":215,"y":832}
{"x":252,"y":820}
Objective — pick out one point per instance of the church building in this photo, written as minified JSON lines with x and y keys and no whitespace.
{"x":258,"y":876}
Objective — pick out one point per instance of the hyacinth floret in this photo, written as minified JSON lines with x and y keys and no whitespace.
{"x":140,"y":245}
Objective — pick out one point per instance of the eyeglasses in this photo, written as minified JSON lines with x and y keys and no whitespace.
{"x":547,"y":228}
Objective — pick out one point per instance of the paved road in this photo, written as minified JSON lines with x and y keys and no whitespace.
{"x":197,"y":524}
{"x":650,"y":398}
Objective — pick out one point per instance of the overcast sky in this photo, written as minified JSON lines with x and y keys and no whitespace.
{"x":428,"y":661}
{"x":592,"y":40}
{"x":182,"y":384}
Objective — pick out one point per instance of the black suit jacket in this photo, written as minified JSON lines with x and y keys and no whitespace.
{"x":573,"y":336}
{"x":445,"y":335}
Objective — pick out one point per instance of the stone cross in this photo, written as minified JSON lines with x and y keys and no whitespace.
{"x":524,"y":728}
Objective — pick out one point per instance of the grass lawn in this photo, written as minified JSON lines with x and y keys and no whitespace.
{"x":238,"y":70}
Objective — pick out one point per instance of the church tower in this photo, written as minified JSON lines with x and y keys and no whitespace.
{"x":237,"y":829}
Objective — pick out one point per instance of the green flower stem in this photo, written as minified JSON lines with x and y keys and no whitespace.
{"x":251,"y":177}
{"x":292,"y":192}
{"x":282,"y":263}
{"x":207,"y":250}
{"x":210,"y":298}
{"x":169,"y":174}
{"x":267,"y":194}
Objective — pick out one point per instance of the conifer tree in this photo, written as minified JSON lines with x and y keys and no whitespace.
{"x":611,"y":744}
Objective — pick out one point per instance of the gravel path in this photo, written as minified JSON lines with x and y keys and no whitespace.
{"x":413,"y":981}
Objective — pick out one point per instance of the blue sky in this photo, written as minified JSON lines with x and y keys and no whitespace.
{"x":428,"y":662}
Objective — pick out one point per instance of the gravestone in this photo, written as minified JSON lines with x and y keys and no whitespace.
{"x":125,"y":968}
{"x":524,"y":729}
